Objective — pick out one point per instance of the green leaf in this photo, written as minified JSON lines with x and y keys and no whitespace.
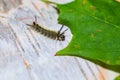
{"x":117,"y":78}
{"x":95,"y":27}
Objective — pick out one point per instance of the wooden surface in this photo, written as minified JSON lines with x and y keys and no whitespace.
{"x":27,"y":55}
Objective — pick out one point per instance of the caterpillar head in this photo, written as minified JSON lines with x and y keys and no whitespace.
{"x":61,"y":36}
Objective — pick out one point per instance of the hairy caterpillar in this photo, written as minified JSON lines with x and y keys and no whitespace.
{"x":49,"y":33}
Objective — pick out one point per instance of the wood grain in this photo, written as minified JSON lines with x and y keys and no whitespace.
{"x":28,"y":55}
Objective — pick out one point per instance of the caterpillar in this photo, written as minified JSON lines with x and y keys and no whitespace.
{"x":49,"y":33}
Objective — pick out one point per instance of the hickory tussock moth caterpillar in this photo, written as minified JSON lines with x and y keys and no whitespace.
{"x":49,"y":33}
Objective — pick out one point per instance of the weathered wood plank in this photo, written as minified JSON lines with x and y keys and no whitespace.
{"x":28,"y":55}
{"x":6,"y":5}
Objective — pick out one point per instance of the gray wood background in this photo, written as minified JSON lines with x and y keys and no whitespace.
{"x":27,"y":55}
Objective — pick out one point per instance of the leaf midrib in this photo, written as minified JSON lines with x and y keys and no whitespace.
{"x":107,"y":22}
